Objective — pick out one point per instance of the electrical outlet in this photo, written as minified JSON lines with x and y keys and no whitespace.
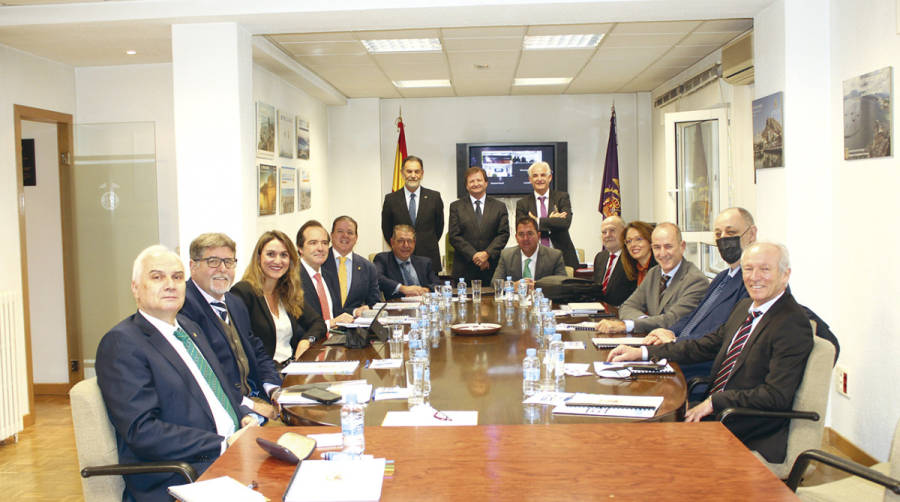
{"x":841,"y":384}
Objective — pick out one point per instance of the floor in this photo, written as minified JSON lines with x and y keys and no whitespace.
{"x":43,"y":464}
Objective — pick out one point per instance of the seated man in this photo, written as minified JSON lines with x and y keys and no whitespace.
{"x":162,"y":382}
{"x":357,"y":276}
{"x":671,"y":289}
{"x":400,"y":273}
{"x":608,"y":269}
{"x":530,"y":260}
{"x":758,"y":355}
{"x":321,"y":289}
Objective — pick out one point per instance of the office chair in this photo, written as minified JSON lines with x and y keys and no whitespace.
{"x":95,"y":439}
{"x":372,"y":257}
{"x":881,"y":482}
{"x":570,"y":272}
{"x":580,"y":253}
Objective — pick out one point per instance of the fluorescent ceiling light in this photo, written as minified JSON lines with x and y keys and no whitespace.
{"x":576,"y":41}
{"x":543,"y":81}
{"x":131,"y":52}
{"x":403,"y":45}
{"x":407,"y":84}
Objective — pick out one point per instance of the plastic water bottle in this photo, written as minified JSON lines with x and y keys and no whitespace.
{"x":353,"y":419}
{"x":538,"y":296}
{"x":523,"y":293}
{"x":558,"y":356}
{"x":423,"y":355}
{"x":549,"y":326}
{"x":508,"y":290}
{"x":547,"y":365}
{"x":461,"y":290}
{"x":446,"y":294}
{"x":531,"y":372}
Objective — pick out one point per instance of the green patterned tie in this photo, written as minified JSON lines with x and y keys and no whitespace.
{"x":527,"y":272}
{"x":207,"y":373}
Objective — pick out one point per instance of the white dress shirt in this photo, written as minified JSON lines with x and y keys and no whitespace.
{"x":533,"y":264}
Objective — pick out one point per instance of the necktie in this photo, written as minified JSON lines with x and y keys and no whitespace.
{"x":734,"y":350}
{"x":704,"y":309}
{"x":609,"y":265}
{"x":412,"y":208}
{"x":663,"y":284}
{"x":221,"y":309}
{"x":545,"y":239}
{"x":408,"y":276}
{"x":323,"y":299}
{"x":478,"y":210}
{"x":207,"y":373}
{"x":527,"y":272}
{"x":342,"y":278}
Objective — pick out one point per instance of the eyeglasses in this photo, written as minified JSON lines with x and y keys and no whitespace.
{"x":215,"y":261}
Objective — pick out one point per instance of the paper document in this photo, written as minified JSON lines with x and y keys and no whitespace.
{"x":427,"y":416}
{"x":573,"y":345}
{"x":363,"y":393}
{"x":333,"y":440}
{"x":384,"y":393}
{"x":578,"y":369}
{"x":609,"y":405}
{"x":625,"y":369}
{"x":321,"y":368}
{"x":585,"y":308}
{"x":221,"y":489}
{"x":337,"y":480}
{"x":383,"y":364}
{"x":615,"y":341}
{"x":548,"y":398}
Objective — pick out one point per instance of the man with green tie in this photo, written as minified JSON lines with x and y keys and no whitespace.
{"x":530,"y":260}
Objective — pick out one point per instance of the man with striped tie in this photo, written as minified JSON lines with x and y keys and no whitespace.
{"x":758,"y":355}
{"x":162,"y":382}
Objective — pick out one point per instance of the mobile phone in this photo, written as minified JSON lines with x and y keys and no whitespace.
{"x":321,"y":395}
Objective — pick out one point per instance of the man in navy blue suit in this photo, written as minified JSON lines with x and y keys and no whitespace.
{"x":400,"y":273}
{"x":162,"y":383}
{"x":734,"y":231}
{"x":226,"y":323}
{"x":357,"y":276}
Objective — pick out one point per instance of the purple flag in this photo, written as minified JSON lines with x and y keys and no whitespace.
{"x":610,"y":198}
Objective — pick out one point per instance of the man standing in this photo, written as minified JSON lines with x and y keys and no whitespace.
{"x":357,"y":277}
{"x":320,"y":289}
{"x":224,"y":320}
{"x":418,"y":207}
{"x":608,"y":270}
{"x":551,"y":209}
{"x":759,"y":354}
{"x":400,"y":273}
{"x":671,"y":289}
{"x":479,"y":229}
{"x":162,"y":383}
{"x":530,"y":260}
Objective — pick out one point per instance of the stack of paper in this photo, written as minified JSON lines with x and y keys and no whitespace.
{"x":613,"y":342}
{"x":337,"y":480}
{"x":321,"y":368}
{"x":222,"y":489}
{"x":585,"y":308}
{"x":427,"y":416}
{"x":608,"y":405}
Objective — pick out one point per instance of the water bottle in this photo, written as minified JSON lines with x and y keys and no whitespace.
{"x":422,"y":355}
{"x":558,"y":356}
{"x":531,"y":372}
{"x":538,"y":296}
{"x":547,"y":380}
{"x":461,"y":290}
{"x":353,"y":418}
{"x":446,"y":294}
{"x":508,"y":290}
{"x":523,"y":293}
{"x":549,"y":325}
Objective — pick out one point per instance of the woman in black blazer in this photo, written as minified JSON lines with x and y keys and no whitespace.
{"x":273,"y":295}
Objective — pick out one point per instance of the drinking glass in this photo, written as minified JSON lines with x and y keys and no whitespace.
{"x":476,"y":291}
{"x":497,"y":284}
{"x":415,"y":382}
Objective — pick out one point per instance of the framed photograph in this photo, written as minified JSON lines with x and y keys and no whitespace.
{"x":285,"y":135}
{"x":305,"y":190}
{"x":867,"y":115}
{"x":268,"y":189}
{"x":265,"y":130}
{"x":768,"y":131}
{"x":302,"y":139}
{"x":288,"y":189}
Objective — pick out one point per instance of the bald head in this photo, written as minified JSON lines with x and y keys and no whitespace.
{"x":766,"y":268}
{"x":734,"y":231}
{"x":667,"y":245}
{"x":612,"y":233}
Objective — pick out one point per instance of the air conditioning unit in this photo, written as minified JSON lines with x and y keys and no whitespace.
{"x":737,"y":60}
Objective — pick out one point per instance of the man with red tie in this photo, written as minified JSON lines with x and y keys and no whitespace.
{"x":552,"y":211}
{"x":321,"y":290}
{"x":608,"y":269}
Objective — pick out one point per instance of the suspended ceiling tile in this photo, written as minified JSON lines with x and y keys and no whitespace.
{"x":524,"y":90}
{"x":726,"y":25}
{"x":288,"y":38}
{"x":427,"y":92}
{"x":499,"y":64}
{"x":696,"y":52}
{"x":569,"y":29}
{"x":478,"y":88}
{"x":336,"y":60}
{"x":482,"y":44}
{"x":396,"y":34}
{"x":715,"y":40}
{"x":618,"y":40}
{"x":660,"y":27}
{"x":353,"y":47}
{"x":552,"y":63}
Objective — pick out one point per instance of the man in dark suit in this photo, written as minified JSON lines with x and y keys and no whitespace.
{"x":358,"y":281}
{"x":758,"y":355}
{"x":529,"y":260}
{"x":551,"y":209}
{"x":608,"y":269}
{"x":224,"y":320}
{"x":162,"y":383}
{"x":321,"y":290}
{"x":400,"y":273}
{"x":479,"y":229}
{"x":418,"y":207}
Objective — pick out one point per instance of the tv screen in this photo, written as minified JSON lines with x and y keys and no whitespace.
{"x":506,"y":165}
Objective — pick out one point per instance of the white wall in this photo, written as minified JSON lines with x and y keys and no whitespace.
{"x":44,"y":248}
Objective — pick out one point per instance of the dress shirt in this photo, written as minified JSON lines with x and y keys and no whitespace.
{"x":537,"y":206}
{"x":348,"y":262}
{"x":629,"y":324}
{"x":312,"y":275}
{"x":533,"y":265}
{"x":482,"y":199}
{"x":224,"y":423}
{"x":407,"y":193}
{"x":411,"y":271}
{"x":618,"y":254}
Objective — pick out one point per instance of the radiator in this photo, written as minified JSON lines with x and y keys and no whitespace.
{"x":11,"y":393}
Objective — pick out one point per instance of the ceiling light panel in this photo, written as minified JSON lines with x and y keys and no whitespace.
{"x":542,"y":81}
{"x":415,"y":84}
{"x":571,"y":41}
{"x":402,"y":45}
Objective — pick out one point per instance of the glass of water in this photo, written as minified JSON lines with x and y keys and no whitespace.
{"x":476,"y":291}
{"x":497,"y":284}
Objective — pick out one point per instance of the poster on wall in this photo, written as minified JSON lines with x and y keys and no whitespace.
{"x":305,"y":190}
{"x":302,"y":139}
{"x":268,"y":189}
{"x":768,"y":135}
{"x":265,"y":130}
{"x":288,"y":189}
{"x":285,"y":135}
{"x":867,"y":115}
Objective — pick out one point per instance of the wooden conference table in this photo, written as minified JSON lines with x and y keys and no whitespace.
{"x":483,"y":373}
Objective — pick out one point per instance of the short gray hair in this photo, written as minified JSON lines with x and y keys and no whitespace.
{"x":137,"y":270}
{"x":532,"y":167}
{"x":784,"y":257}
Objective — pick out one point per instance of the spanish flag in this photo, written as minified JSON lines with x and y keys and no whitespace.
{"x":399,"y":157}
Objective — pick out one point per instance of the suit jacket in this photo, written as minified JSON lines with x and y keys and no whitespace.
{"x":469,"y":237}
{"x":619,"y":287}
{"x":308,"y":325}
{"x":260,"y":365}
{"x":556,"y":228}
{"x":156,"y":405}
{"x":389,"y":275}
{"x":549,"y":262}
{"x":363,"y":288}
{"x":765,"y":375}
{"x":312,"y":297}
{"x":682,"y":296}
{"x":429,"y":221}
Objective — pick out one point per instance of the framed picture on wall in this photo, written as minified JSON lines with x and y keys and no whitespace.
{"x":768,"y":131}
{"x":302,"y":139}
{"x":305,"y":190}
{"x":288,"y":189}
{"x":268,"y":189}
{"x":285,"y":135}
{"x":868,"y":106}
{"x":265,"y":130}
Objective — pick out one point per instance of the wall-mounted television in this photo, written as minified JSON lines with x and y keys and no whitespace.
{"x":507,"y":164}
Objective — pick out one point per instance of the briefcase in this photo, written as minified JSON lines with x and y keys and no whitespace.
{"x":562,"y":289}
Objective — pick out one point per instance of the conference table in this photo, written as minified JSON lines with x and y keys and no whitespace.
{"x":483,"y":373}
